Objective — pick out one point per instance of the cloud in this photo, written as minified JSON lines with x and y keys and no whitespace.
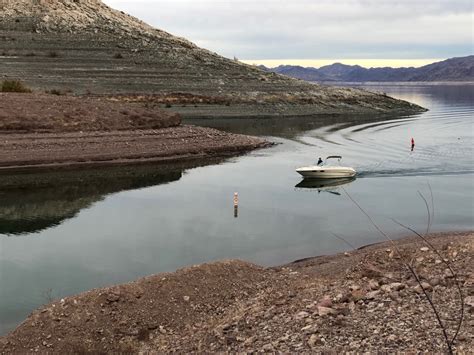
{"x":280,"y":29}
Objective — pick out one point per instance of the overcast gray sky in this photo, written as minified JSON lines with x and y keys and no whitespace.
{"x":286,"y":31}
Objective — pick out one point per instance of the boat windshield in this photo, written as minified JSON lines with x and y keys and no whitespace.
{"x":331,"y":157}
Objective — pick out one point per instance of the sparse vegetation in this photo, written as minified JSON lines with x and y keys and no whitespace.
{"x":14,"y":86}
{"x":55,"y":92}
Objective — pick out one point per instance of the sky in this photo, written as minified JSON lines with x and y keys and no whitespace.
{"x":317,"y":32}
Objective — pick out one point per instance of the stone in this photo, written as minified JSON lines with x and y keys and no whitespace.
{"x":313,"y":340}
{"x":113,"y":297}
{"x":392,"y":337}
{"x":371,"y":295}
{"x":325,"y":311}
{"x":396,"y":286}
{"x":373,"y":285}
{"x":425,"y":285}
{"x":301,"y":315}
{"x":325,"y":302}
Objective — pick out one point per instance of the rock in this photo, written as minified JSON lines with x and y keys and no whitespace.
{"x":425,"y":249}
{"x":371,"y":295}
{"x":301,"y":315}
{"x":425,"y":285}
{"x":373,"y":285}
{"x":392,"y":337}
{"x":343,"y":298}
{"x":357,"y":295}
{"x":325,"y":311}
{"x":325,"y":302}
{"x":186,"y":298}
{"x":396,"y":286}
{"x":469,"y":301}
{"x":113,"y":297}
{"x":314,"y":340}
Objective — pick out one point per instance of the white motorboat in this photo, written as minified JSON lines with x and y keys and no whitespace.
{"x":326,"y":170}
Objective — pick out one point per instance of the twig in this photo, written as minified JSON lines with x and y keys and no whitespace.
{"x":448,"y":264}
{"x":428,"y":225}
{"x":411,"y":269}
{"x":344,"y":240}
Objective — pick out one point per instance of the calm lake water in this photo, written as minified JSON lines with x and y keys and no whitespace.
{"x":61,"y":234}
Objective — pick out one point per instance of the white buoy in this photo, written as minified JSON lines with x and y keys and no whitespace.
{"x":236,"y":205}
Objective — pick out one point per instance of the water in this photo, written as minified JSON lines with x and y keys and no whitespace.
{"x":61,"y":234}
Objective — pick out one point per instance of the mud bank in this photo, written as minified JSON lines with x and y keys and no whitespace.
{"x":363,"y":300}
{"x":50,"y":131}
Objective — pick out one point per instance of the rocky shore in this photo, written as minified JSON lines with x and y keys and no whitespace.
{"x":362,"y":300}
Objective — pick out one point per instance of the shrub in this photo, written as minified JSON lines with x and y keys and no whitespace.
{"x":53,"y":54}
{"x":118,"y":56}
{"x":14,"y":86}
{"x":55,"y":92}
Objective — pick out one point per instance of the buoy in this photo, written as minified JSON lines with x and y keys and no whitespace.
{"x":236,"y":205}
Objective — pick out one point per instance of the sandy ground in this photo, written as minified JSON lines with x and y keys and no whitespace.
{"x":365,"y":300}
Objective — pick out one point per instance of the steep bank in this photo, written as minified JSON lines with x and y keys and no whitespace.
{"x":365,"y":300}
{"x":86,"y":47}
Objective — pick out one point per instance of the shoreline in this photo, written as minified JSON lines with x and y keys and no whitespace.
{"x":53,"y":151}
{"x":41,"y":132}
{"x":314,"y":304}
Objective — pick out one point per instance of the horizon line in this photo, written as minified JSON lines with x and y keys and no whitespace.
{"x":366,"y":63}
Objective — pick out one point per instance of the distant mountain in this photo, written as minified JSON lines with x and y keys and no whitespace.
{"x":454,"y":69}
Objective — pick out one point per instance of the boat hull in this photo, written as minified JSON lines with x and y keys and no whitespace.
{"x":317,"y":172}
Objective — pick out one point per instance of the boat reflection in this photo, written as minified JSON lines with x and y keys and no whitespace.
{"x":325,"y":185}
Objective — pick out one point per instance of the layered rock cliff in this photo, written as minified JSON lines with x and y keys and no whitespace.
{"x":85,"y":46}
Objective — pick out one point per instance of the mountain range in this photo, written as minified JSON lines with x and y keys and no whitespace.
{"x":454,"y":69}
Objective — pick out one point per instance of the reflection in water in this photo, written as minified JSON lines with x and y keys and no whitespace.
{"x":48,"y":199}
{"x":287,"y":127}
{"x":324,"y":185}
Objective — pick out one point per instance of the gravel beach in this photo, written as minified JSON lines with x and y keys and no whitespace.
{"x":363,"y":300}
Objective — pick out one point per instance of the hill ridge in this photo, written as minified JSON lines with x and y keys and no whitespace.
{"x":452,"y":69}
{"x":85,"y":46}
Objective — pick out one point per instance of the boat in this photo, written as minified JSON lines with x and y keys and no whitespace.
{"x":326,"y":170}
